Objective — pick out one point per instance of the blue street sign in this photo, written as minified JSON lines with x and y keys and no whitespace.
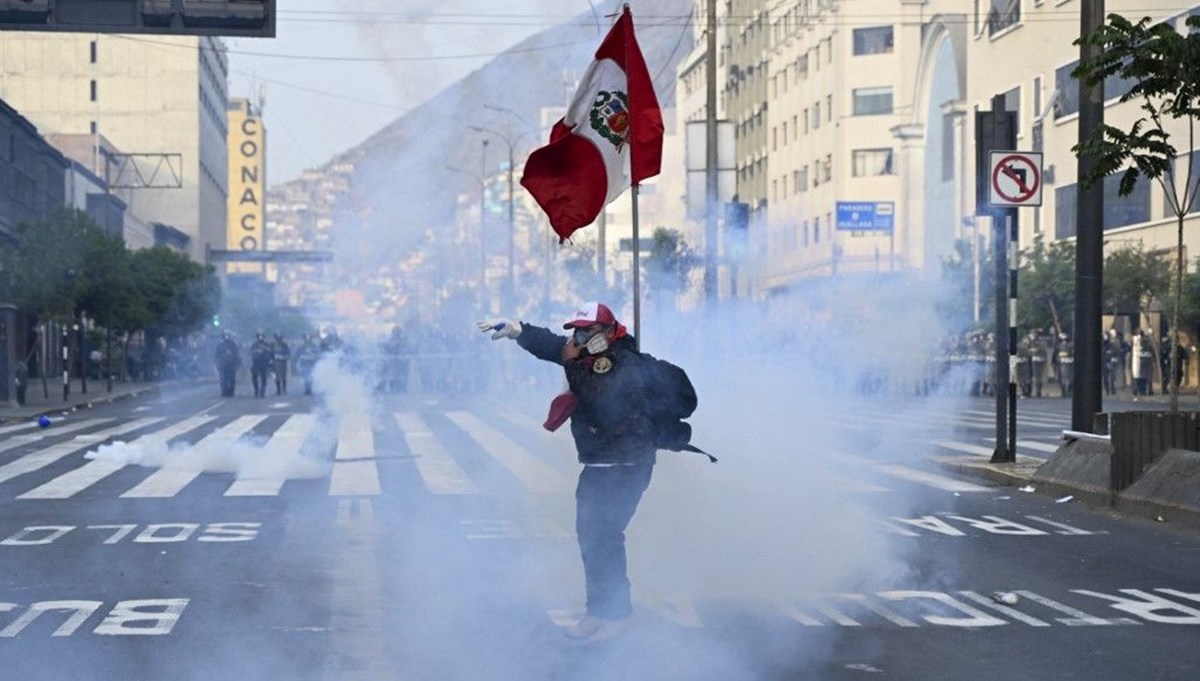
{"x":866,"y":216}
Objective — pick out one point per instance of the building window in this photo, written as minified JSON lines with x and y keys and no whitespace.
{"x":1181,"y":175}
{"x":816,"y":122}
{"x":93,"y":90}
{"x":873,"y":40}
{"x":817,"y":230}
{"x":806,"y":233}
{"x":829,"y":168}
{"x":1037,"y":97}
{"x":806,"y":121}
{"x":1119,"y":211}
{"x":795,"y":129}
{"x":1067,"y":100}
{"x":829,"y":50}
{"x":872,"y":162}
{"x":1004,"y":13}
{"x":802,"y":182}
{"x":93,"y":52}
{"x":92,"y":128}
{"x":872,"y":101}
{"x":802,"y":66}
{"x":785,"y":132}
{"x":828,"y":108}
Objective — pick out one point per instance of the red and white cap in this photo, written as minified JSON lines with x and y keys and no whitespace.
{"x":591,"y":313}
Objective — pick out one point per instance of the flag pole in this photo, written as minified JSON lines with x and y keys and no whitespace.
{"x":637,"y":275}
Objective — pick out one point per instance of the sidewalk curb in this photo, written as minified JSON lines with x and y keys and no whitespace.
{"x":85,"y":404}
{"x":1020,"y":474}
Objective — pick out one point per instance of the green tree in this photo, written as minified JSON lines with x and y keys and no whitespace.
{"x":1189,"y":313}
{"x":668,"y":267}
{"x":180,"y":296}
{"x":957,"y":292}
{"x":1133,"y":278}
{"x":1047,"y":285}
{"x":44,"y":264}
{"x":1161,"y":65}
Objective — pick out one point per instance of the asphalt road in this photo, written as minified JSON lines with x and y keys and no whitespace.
{"x":426,"y":538}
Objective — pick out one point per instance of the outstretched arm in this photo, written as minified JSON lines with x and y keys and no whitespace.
{"x":542,"y":343}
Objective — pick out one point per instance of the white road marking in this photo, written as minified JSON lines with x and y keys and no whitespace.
{"x":359,"y":477}
{"x":181,"y":468}
{"x":289,"y":438}
{"x":44,"y":457}
{"x":880,"y":609}
{"x":964,"y":447}
{"x":357,"y":598}
{"x":535,"y":476}
{"x":1003,"y":609}
{"x":1077,"y":617}
{"x":5,"y":430}
{"x":926,"y":478}
{"x":1061,"y":527}
{"x":74,"y":481}
{"x":438,"y":470}
{"x":24,"y":439}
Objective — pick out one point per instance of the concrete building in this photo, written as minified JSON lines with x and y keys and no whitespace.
{"x":34,"y":186}
{"x":162,"y":96}
{"x":855,"y":133}
{"x":88,"y":189}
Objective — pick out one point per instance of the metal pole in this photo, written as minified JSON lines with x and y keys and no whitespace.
{"x":80,"y":336}
{"x":601,"y":248}
{"x":710,"y":158}
{"x":483,"y":222}
{"x":999,"y":252}
{"x":1013,"y":241}
{"x":1087,"y":400}
{"x":637,"y":275}
{"x":512,"y":228}
{"x":66,"y":363}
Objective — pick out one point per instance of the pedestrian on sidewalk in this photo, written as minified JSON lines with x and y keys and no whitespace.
{"x":613,"y":394}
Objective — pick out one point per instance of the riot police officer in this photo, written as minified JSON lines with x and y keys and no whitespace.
{"x":228,"y":359}
{"x":282,"y":352}
{"x":260,"y":363}
{"x":1065,"y":355}
{"x":1025,"y":365}
{"x":306,"y":357}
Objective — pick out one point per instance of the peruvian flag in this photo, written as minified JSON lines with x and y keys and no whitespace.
{"x":611,"y":137}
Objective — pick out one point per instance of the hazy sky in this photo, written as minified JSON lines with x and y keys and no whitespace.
{"x":335,"y":75}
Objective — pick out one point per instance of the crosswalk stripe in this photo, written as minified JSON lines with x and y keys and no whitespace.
{"x":44,"y":457}
{"x":964,"y":447}
{"x":535,"y":476}
{"x":5,"y":430}
{"x":356,"y":441}
{"x":927,"y":478}
{"x":290,"y":438}
{"x":75,"y":481}
{"x":1022,"y":416}
{"x":24,"y":439}
{"x":438,"y":470}
{"x":181,"y":468}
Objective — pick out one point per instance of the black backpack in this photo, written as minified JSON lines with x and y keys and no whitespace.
{"x":670,"y":398}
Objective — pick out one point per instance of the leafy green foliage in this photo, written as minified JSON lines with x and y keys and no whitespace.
{"x":1047,"y":286}
{"x":67,"y":265}
{"x":670,"y":263}
{"x":1133,"y":277}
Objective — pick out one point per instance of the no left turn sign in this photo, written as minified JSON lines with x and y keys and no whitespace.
{"x":1015,"y":178}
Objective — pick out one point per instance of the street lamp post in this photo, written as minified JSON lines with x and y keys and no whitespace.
{"x":510,"y":141}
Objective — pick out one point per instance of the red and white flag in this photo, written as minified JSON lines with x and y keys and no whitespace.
{"x":611,"y":137}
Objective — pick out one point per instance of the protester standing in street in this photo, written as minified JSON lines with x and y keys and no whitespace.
{"x":617,"y":433}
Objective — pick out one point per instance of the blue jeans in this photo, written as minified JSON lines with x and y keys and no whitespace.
{"x":605,"y":501}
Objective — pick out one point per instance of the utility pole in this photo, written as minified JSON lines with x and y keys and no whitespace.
{"x":710,"y":156}
{"x":1087,"y":401}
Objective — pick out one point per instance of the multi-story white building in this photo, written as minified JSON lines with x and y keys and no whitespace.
{"x":855,"y":128}
{"x":161,"y":96}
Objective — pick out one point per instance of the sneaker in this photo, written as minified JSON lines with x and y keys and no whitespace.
{"x":608,"y":629}
{"x":583,"y":628}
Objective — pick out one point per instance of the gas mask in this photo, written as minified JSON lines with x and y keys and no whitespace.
{"x":595,"y":343}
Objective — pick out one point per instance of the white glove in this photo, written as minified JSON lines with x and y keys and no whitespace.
{"x":503,"y":328}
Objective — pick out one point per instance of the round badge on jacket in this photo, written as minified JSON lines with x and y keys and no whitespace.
{"x":602,"y":365}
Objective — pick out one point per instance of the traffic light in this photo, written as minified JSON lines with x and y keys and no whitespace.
{"x":246,"y":18}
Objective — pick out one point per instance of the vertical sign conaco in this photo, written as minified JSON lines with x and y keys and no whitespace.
{"x":247,"y":182}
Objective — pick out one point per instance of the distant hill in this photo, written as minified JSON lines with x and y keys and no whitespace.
{"x":399,"y":185}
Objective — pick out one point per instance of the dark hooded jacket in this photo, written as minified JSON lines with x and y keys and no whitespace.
{"x":611,"y":423}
